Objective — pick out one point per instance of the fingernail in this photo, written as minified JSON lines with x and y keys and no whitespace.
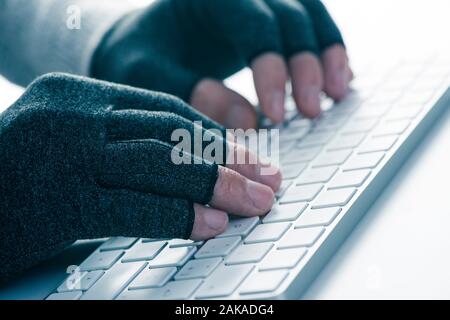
{"x":215,"y":221}
{"x":313,"y":100}
{"x":277,"y":107}
{"x":340,"y":81}
{"x":261,"y":196}
{"x":270,"y":175}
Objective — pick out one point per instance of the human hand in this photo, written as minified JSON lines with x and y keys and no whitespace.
{"x":88,"y":159}
{"x":187,"y":48}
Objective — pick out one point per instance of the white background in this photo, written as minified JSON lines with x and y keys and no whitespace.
{"x":401,"y":249}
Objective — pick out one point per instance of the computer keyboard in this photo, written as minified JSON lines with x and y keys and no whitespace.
{"x":333,"y":168}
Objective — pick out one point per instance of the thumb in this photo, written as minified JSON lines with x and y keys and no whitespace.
{"x":208,"y":223}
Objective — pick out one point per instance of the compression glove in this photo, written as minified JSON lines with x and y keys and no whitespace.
{"x":172,"y":44}
{"x":85,"y":159}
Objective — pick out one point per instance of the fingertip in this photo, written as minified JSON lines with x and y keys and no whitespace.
{"x":271,"y":176}
{"x":308,"y":101}
{"x":208,"y":223}
{"x":223,"y":105}
{"x":307,"y":83}
{"x":275,"y":110}
{"x":236,"y":194}
{"x":262,"y":196}
{"x":337,"y":72}
{"x":255,"y":168}
{"x":270,"y":76}
{"x":241,"y":115}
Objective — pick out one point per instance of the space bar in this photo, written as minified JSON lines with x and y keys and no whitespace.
{"x":114,"y":281}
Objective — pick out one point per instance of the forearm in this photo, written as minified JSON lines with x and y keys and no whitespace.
{"x":41,"y":36}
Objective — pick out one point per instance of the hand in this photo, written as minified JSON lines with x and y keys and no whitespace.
{"x":88,"y":159}
{"x":187,"y":48}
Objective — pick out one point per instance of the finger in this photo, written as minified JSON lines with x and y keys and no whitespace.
{"x":325,"y":28}
{"x":245,"y":162}
{"x":238,"y":195}
{"x":172,"y":79}
{"x":127,"y":125}
{"x":162,"y":126}
{"x":226,"y":18}
{"x":270,"y":76}
{"x":296,"y":27}
{"x":152,"y":166}
{"x":300,"y":48}
{"x":307,"y":83}
{"x":208,"y":223}
{"x":337,"y":72}
{"x":137,"y":214}
{"x":127,"y":98}
{"x":168,"y":76}
{"x":223,"y":105}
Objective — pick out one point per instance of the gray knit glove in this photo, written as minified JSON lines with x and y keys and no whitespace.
{"x":88,"y":159}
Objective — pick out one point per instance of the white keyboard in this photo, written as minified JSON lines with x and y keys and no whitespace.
{"x":334,"y":168}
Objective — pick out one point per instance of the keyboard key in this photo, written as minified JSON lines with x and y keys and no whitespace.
{"x":217,"y":247}
{"x":267,"y":232}
{"x":377,"y":144}
{"x":239,"y":227}
{"x":315,"y":139}
{"x":172,"y":257}
{"x":346,"y":141}
{"x":117,"y":243}
{"x":360,"y":125}
{"x":178,"y":290}
{"x":70,"y":295}
{"x":330,"y":122}
{"x":304,"y":237}
{"x":391,"y":128}
{"x":223,"y":281}
{"x":285,"y":184}
{"x":285,"y":212}
{"x":382,"y":100}
{"x":144,"y":251}
{"x":200,"y":268}
{"x":411,"y":97}
{"x":299,"y":123}
{"x":318,"y":175}
{"x":263,"y":281}
{"x":89,"y":279}
{"x":72,"y":282}
{"x":409,"y":112}
{"x":284,"y":149}
{"x":152,"y":278}
{"x":100,"y":260}
{"x":334,"y":198}
{"x":372,"y":111}
{"x":318,"y":217}
{"x":297,"y":155}
{"x":301,"y":193}
{"x":364,"y":161}
{"x":331,"y":158}
{"x":143,"y":294}
{"x":282,"y":259}
{"x":173,"y":290}
{"x":349,"y":179}
{"x":114,"y":281}
{"x":288,"y":135}
{"x":292,"y":171}
{"x":248,"y":253}
{"x":179,"y":243}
